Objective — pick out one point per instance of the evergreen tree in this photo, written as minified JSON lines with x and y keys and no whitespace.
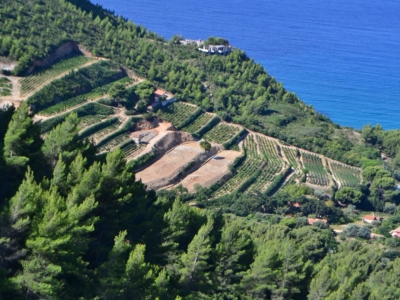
{"x":194,"y":271}
{"x":21,"y":143}
{"x":232,"y":253}
{"x":58,"y":239}
{"x":63,"y":140}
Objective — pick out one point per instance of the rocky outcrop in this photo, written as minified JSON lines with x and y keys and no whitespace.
{"x":64,"y":50}
{"x":170,"y":140}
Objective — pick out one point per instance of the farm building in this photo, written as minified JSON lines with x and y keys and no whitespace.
{"x":371,"y":218}
{"x":163,"y":96}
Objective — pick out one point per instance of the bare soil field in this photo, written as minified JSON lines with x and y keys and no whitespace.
{"x":212,"y":171}
{"x":166,"y":169}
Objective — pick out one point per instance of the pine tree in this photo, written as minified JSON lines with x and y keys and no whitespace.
{"x":291,"y":273}
{"x":59,"y":176}
{"x":259,"y":281}
{"x":126,"y":275}
{"x":231,"y":254}
{"x":57,"y":241}
{"x":182,"y":223}
{"x":321,"y":285}
{"x":62,"y":139}
{"x":120,"y":199}
{"x":110,"y":274}
{"x":194,"y":273}
{"x":21,"y":139}
{"x":21,"y":143}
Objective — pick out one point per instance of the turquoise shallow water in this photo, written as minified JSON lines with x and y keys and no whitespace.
{"x":343,"y":57}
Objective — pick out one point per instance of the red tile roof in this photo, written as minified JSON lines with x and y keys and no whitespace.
{"x":372,"y":217}
{"x":159,"y":93}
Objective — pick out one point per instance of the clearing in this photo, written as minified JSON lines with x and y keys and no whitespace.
{"x":212,"y":171}
{"x":167,"y":168}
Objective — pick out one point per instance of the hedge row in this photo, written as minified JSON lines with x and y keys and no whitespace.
{"x":85,"y":110}
{"x":141,"y":161}
{"x":191,"y":118}
{"x":249,"y":181}
{"x":214,"y":121}
{"x":128,"y":127}
{"x":277,"y":182}
{"x":227,"y":145}
{"x":237,"y":162}
{"x":93,"y":129}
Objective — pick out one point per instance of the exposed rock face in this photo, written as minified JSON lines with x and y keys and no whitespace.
{"x":64,"y":50}
{"x":172,"y":139}
{"x":146,"y":125}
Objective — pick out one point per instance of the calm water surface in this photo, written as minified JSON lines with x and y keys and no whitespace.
{"x":343,"y":57}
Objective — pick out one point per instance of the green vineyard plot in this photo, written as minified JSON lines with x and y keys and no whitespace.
{"x":269,"y":149}
{"x":198,"y":123}
{"x":5,"y":86}
{"x":131,"y":149}
{"x":88,"y":114}
{"x":268,"y":173}
{"x":317,"y":174}
{"x":346,"y":175}
{"x":75,"y":83}
{"x":176,"y":112}
{"x":221,"y":133}
{"x":292,"y":156}
{"x":32,"y":82}
{"x":113,"y":143}
{"x":251,"y":147}
{"x":243,"y":172}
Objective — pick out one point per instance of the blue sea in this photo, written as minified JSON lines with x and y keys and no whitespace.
{"x":343,"y":57}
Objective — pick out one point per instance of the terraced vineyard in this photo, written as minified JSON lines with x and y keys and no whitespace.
{"x":87,"y":121}
{"x":292,"y":156}
{"x":346,"y":175}
{"x":105,"y":131}
{"x":317,"y":174}
{"x":244,"y":171}
{"x":131,"y":150}
{"x":268,"y":173}
{"x":265,"y":160}
{"x":202,"y":120}
{"x":5,"y":86}
{"x":30,"y":83}
{"x":270,"y":163}
{"x":101,"y":129}
{"x":221,"y":133}
{"x":73,"y":84}
{"x":250,"y":145}
{"x":269,"y":149}
{"x":176,"y":112}
{"x":88,"y":114}
{"x":114,"y":142}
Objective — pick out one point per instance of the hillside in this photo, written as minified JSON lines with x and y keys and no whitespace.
{"x":233,"y":86}
{"x":111,"y":189}
{"x":88,"y":81}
